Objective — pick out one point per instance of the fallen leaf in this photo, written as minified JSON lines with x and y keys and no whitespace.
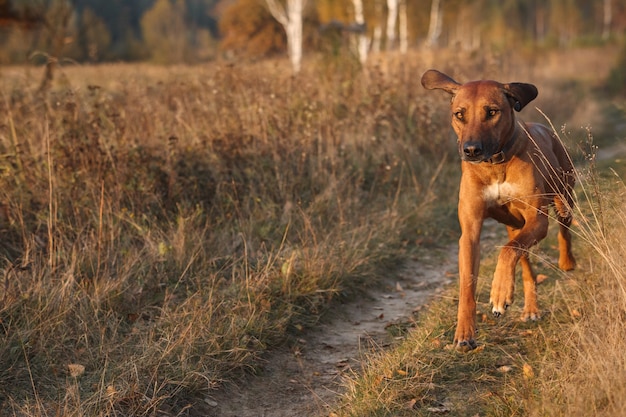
{"x":541,"y":278}
{"x":399,"y":287}
{"x":210,"y":402}
{"x":438,"y":410}
{"x":163,"y":248}
{"x":111,"y":391}
{"x":478,"y":348}
{"x":575,"y":313}
{"x":409,"y":405}
{"x":76,"y":369}
{"x":505,"y":368}
{"x":401,"y":372}
{"x":528,"y":371}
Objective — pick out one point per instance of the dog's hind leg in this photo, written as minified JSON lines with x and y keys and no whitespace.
{"x":529,"y":278}
{"x":563,"y":204}
{"x":566,"y":259}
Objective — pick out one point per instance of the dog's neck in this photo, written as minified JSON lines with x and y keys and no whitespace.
{"x":511,"y":147}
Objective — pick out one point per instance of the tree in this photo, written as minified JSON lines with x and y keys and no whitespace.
{"x":403,"y":27}
{"x":607,"y":19}
{"x":164,"y":31}
{"x":378,"y":30}
{"x":20,"y":13}
{"x":392,"y":16}
{"x":247,"y":27}
{"x":122,"y":19}
{"x":434,"y":28}
{"x":565,"y":20}
{"x":290,"y":17}
{"x":359,"y":19}
{"x":93,"y":36}
{"x":57,"y":22}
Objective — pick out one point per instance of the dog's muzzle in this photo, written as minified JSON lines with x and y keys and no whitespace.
{"x":475,"y":153}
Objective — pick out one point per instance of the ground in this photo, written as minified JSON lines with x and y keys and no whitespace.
{"x":305,"y":379}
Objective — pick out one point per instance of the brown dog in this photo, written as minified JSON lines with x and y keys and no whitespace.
{"x":511,"y":172}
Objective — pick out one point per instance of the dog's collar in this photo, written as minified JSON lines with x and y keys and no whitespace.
{"x":505,"y":153}
{"x":497,"y":158}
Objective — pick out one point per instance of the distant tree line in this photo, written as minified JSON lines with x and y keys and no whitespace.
{"x":188,"y":31}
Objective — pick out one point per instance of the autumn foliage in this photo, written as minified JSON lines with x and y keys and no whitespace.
{"x":247,"y":28}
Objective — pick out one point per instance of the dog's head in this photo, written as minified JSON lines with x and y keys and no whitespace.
{"x":482,"y":112}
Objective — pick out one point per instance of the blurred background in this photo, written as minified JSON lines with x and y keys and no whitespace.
{"x":194,"y":31}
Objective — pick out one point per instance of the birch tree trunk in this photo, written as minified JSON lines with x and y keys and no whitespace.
{"x":434,"y":27}
{"x":392,"y":16}
{"x":608,"y":18}
{"x":359,"y":19}
{"x":378,"y":30}
{"x":290,"y":17}
{"x":403,"y":27}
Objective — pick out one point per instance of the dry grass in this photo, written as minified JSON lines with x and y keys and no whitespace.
{"x":163,"y":227}
{"x":571,"y":362}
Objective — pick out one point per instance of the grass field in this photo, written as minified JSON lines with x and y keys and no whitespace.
{"x":163,"y":227}
{"x":569,"y":363}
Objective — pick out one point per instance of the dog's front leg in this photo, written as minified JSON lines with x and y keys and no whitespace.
{"x":471,"y":220}
{"x":503,"y":285}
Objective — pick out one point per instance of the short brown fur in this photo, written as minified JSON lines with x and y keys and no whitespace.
{"x":511,"y":172}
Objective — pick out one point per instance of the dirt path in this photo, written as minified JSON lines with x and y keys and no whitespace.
{"x":305,"y":379}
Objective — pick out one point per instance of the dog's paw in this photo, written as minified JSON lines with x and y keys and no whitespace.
{"x":465,"y":346}
{"x":567,"y":262}
{"x":499,"y":310}
{"x":501,"y":297}
{"x":464,"y":337}
{"x":499,"y":304}
{"x":530,"y":314}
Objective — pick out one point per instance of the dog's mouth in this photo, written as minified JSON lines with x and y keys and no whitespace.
{"x":474,"y":159}
{"x":476,"y":154}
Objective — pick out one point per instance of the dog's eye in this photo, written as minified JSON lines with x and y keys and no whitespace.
{"x":459,"y":115}
{"x":492,"y":112}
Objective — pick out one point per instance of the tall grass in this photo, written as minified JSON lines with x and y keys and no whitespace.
{"x":161,"y":228}
{"x":572,"y":362}
{"x":583,"y":372}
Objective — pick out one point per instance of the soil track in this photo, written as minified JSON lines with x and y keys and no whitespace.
{"x":305,"y":379}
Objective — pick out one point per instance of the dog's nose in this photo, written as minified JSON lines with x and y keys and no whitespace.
{"x":472,"y":149}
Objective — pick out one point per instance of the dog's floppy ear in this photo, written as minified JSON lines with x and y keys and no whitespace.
{"x":521,"y":93}
{"x":433,"y":79}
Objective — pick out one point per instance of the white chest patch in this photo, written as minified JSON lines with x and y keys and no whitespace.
{"x":500,"y":193}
